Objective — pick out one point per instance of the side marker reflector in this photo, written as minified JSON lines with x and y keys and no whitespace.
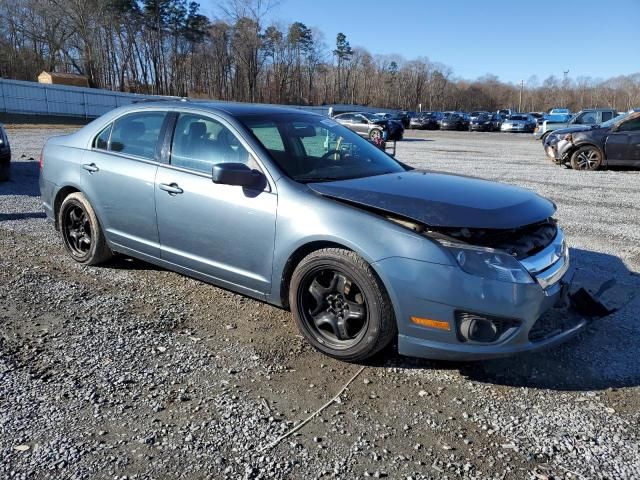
{"x":427,"y":322}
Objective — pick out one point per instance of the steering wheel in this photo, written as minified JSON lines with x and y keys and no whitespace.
{"x":332,"y":152}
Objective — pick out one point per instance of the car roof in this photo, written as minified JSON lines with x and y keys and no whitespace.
{"x":230,"y":108}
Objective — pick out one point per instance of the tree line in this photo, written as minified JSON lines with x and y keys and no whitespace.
{"x":169,"y":47}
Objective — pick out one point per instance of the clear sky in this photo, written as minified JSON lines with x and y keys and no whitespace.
{"x":511,"y":39}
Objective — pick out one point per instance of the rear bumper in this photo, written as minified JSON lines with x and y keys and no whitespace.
{"x":48,"y":191}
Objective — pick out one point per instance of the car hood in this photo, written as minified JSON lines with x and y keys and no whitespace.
{"x":442,"y":200}
{"x":575,"y":128}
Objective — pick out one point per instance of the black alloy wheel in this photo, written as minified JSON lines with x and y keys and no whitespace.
{"x":586,"y":158}
{"x":334,"y":307}
{"x":81,"y":232}
{"x":340,"y":305}
{"x":77,"y":230}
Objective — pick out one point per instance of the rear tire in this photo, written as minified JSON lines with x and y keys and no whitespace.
{"x":341,"y":306}
{"x":586,"y":158}
{"x":81,"y":232}
{"x":375,"y":133}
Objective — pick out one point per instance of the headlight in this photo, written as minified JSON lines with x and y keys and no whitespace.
{"x":488,"y":263}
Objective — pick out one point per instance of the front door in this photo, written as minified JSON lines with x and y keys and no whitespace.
{"x":623,"y":145}
{"x":223,"y":232}
{"x":118,"y":178}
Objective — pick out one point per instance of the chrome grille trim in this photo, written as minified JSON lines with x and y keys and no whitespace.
{"x":549,"y":265}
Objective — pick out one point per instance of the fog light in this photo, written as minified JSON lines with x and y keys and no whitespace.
{"x":482,"y":329}
{"x":478,"y":330}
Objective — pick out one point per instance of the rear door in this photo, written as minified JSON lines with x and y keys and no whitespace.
{"x":224,"y":232}
{"x":118,"y":179}
{"x":360,"y":124}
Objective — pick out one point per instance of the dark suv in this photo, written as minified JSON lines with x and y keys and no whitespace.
{"x":589,"y":147}
{"x":5,"y":154}
{"x":371,"y":125}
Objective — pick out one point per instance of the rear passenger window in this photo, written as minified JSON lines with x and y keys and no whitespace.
{"x":607,"y":116}
{"x":200,"y":142}
{"x":137,"y":134}
{"x":102,"y":140}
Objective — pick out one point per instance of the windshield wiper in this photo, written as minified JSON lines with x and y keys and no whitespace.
{"x":316,"y":179}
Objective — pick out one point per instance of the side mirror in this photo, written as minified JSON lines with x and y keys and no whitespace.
{"x":235,"y":174}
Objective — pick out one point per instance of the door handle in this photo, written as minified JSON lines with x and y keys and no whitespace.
{"x":172,"y":189}
{"x":90,"y":167}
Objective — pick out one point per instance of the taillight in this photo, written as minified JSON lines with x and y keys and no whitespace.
{"x":41,"y":161}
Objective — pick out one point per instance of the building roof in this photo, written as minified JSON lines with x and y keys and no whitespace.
{"x":63,"y":75}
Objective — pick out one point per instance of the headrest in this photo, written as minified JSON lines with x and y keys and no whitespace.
{"x":197,"y":129}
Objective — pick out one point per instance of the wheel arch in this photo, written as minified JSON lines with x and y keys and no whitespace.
{"x":294,"y":260}
{"x":61,"y":194}
{"x":579,"y":145}
{"x":305,"y":249}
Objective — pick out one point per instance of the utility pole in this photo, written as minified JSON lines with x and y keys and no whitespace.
{"x":564,"y":87}
{"x":521,"y":88}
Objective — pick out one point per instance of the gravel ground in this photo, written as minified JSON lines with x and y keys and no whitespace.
{"x":129,"y":371}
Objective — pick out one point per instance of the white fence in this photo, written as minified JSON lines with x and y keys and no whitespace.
{"x":31,"y":98}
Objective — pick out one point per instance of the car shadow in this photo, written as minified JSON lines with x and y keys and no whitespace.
{"x":23,"y":179}
{"x":122,"y":262}
{"x":605,"y":355}
{"x":405,"y":139}
{"x":21,"y":216}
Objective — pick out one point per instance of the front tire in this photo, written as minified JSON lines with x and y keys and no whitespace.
{"x":341,"y":306}
{"x":586,"y":158}
{"x":81,"y":231}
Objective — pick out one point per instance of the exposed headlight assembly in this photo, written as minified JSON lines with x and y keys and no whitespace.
{"x":488,"y":263}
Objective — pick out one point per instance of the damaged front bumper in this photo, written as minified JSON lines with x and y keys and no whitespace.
{"x":437,"y":306}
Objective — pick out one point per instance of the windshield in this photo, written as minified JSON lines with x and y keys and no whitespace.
{"x":518,"y":117}
{"x":614,"y":120}
{"x":311,"y":148}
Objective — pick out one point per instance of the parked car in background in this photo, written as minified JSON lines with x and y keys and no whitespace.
{"x":476,"y":114}
{"x":506,"y":112}
{"x":454,"y":121}
{"x":559,"y":111}
{"x":539,"y":116}
{"x":424,"y":121}
{"x":406,"y":116}
{"x":294,"y":209}
{"x":371,"y":125}
{"x":5,"y":155}
{"x":589,"y":116}
{"x":589,"y":147}
{"x":396,"y":117}
{"x":485,"y":122}
{"x":518,"y":123}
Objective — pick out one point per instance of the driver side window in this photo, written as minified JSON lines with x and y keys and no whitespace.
{"x":630,"y":125}
{"x":200,"y":142}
